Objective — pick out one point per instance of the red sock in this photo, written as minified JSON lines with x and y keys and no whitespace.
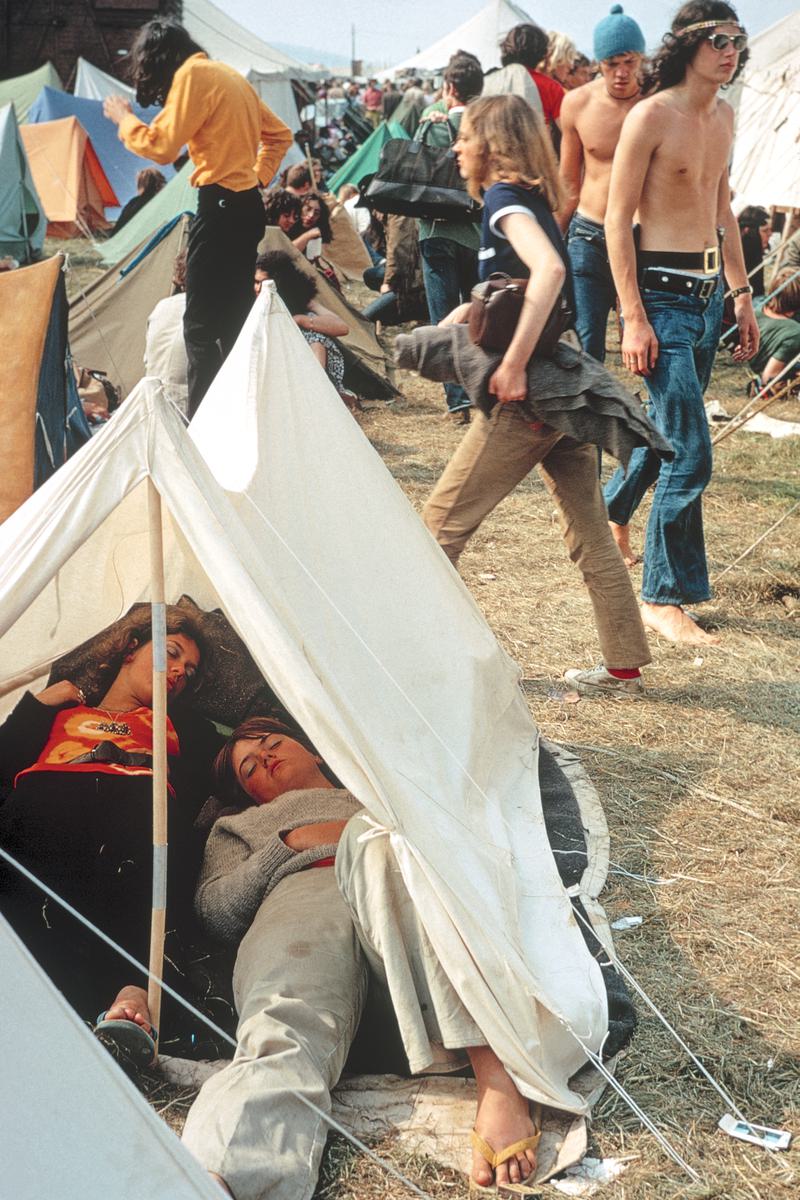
{"x":624,"y":674}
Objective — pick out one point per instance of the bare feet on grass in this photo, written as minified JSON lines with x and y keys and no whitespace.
{"x":503,"y":1117}
{"x":622,"y":536}
{"x":131,"y":1005}
{"x":673,"y":623}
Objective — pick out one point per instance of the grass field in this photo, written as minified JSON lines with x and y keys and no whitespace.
{"x":701,"y":788}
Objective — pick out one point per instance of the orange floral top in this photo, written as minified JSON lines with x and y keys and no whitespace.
{"x":77,"y":730}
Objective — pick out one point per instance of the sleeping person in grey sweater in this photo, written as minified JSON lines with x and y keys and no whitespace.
{"x":316,"y":908}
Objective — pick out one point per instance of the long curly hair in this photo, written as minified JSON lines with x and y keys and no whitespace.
{"x":323,"y":220}
{"x":668,"y":65}
{"x":160,"y":47}
{"x":226,"y":785}
{"x":511,"y":143}
{"x":95,"y":664}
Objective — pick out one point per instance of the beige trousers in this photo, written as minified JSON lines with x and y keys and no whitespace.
{"x":496,"y":453}
{"x":300,"y":983}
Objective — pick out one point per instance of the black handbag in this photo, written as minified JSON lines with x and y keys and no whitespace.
{"x":495,"y":309}
{"x":415,"y":179}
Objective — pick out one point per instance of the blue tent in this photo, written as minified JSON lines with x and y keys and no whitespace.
{"x":119,"y":164}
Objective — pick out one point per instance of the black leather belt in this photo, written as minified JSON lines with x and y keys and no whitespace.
{"x":657,"y":280}
{"x":707,"y":260}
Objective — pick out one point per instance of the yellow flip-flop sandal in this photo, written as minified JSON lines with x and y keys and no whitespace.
{"x":497,"y":1158}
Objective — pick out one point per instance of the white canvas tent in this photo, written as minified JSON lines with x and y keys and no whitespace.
{"x":766,"y":157}
{"x":93,"y":84}
{"x":367,"y":635}
{"x":73,"y":1125}
{"x":478,"y":35}
{"x":223,"y":38}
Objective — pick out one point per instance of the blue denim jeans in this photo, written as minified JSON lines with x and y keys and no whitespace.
{"x":450,"y":272}
{"x":595,"y":293}
{"x":675,"y":570}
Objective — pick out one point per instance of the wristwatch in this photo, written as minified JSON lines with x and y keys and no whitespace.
{"x":747,"y":289}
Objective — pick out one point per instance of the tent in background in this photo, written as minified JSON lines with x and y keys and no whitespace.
{"x":480,"y":35}
{"x":225,"y":39}
{"x":108,"y":320}
{"x":101,"y":1138}
{"x":766,"y":152}
{"x":71,"y":183}
{"x":278,"y":94}
{"x":23,"y":90}
{"x":365,"y":160}
{"x":177,"y":197}
{"x":119,"y":164}
{"x":93,"y":84}
{"x":40,"y":412}
{"x":22,"y":219}
{"x":107,"y":323}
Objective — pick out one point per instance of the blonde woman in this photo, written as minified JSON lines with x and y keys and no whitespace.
{"x":505,"y":155}
{"x":561,"y":55}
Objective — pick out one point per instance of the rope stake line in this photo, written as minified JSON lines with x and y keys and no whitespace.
{"x":164,"y":986}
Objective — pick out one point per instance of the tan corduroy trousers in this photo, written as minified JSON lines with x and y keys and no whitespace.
{"x":496,"y":453}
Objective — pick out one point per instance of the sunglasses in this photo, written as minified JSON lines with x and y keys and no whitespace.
{"x":721,"y":41}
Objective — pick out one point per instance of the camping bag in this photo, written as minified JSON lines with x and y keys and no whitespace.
{"x":415,"y":179}
{"x":495,"y":309}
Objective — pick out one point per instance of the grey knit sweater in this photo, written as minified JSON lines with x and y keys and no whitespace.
{"x":246,"y":857}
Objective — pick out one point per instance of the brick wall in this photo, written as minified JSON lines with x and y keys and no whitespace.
{"x":35,"y":31}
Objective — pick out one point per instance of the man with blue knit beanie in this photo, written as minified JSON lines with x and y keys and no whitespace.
{"x":591,"y":120}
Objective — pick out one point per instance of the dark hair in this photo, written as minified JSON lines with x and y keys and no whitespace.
{"x":280,"y":203}
{"x":526,"y":44}
{"x":323,"y":222}
{"x":295,"y":288}
{"x":668,"y":65}
{"x":151,"y":181}
{"x":226,"y":784}
{"x":465,"y":76}
{"x":752,"y":217}
{"x":297,"y":176}
{"x":159,"y":48}
{"x":179,"y":271}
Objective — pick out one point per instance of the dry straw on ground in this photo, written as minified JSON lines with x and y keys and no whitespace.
{"x":700,"y":787}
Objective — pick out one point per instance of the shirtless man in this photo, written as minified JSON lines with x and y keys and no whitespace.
{"x":591,"y":120}
{"x":671,"y":171}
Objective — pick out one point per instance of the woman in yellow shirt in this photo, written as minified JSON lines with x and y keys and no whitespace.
{"x":235,"y":143}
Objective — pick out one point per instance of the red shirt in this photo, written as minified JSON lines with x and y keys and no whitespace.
{"x":551,"y":94}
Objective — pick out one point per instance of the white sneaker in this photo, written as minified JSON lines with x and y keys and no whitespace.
{"x":597,"y":681}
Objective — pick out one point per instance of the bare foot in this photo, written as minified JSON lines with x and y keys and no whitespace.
{"x":131,"y":1005}
{"x":503,"y":1117}
{"x":218,"y":1179}
{"x":622,"y":536}
{"x":672,"y":622}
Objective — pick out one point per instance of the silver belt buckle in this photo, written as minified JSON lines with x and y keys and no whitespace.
{"x":707,"y":288}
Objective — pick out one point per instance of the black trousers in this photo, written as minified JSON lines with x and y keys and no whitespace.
{"x":88,"y":836}
{"x":221,"y":255}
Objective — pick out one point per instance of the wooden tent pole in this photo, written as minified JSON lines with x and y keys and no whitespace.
{"x":159,"y":630}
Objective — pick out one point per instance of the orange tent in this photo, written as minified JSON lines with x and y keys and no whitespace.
{"x":72,"y":185}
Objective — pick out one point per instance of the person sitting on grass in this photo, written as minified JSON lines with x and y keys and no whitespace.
{"x":318,"y":325}
{"x":315,"y":909}
{"x":779,"y":327}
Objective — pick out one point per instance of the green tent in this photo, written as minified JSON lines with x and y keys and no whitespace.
{"x":177,"y":197}
{"x":23,"y":90}
{"x":22,"y":219}
{"x":365,"y":160}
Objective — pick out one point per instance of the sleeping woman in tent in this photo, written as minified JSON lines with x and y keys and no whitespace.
{"x":315,"y":908}
{"x":76,"y":764}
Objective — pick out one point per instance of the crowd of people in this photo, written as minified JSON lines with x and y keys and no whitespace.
{"x":614,"y":194}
